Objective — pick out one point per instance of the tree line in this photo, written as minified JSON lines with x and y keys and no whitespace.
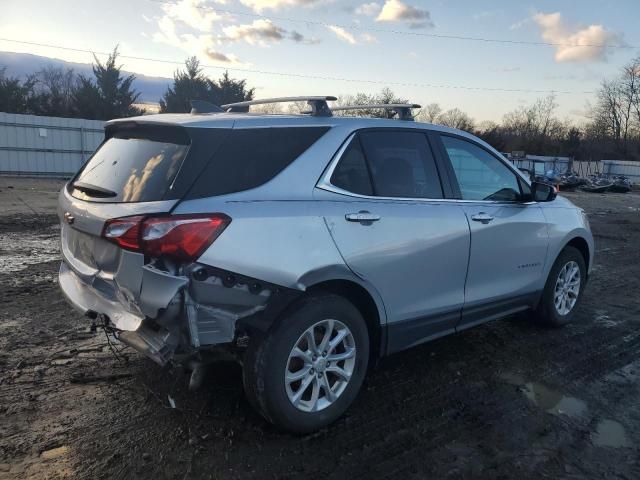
{"x":109,"y":93}
{"x":611,"y":130}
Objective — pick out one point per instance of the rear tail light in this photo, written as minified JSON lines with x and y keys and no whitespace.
{"x":181,"y":237}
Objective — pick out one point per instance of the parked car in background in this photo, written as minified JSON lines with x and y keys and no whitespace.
{"x":325,"y":242}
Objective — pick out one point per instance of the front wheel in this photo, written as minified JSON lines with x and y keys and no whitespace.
{"x":306,"y":372}
{"x":563,"y":290}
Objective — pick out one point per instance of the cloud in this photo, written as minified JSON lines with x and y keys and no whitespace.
{"x":519,"y":24}
{"x":261,"y":32}
{"x":261,"y":5}
{"x":368,"y":9}
{"x":199,"y":31}
{"x":219,"y":56}
{"x":193,"y":44}
{"x":342,"y":34}
{"x":554,"y":30}
{"x":396,"y":11}
{"x":300,"y":38}
{"x":193,"y":13}
{"x":368,"y":38}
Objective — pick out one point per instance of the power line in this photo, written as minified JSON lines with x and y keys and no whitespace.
{"x":399,"y":32}
{"x":300,"y":75}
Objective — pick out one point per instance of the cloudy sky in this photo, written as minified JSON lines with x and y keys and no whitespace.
{"x":335,"y":47}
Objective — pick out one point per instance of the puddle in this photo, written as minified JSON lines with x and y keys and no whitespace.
{"x":603,"y":319}
{"x":18,"y":251}
{"x":610,"y":433}
{"x":550,"y":400}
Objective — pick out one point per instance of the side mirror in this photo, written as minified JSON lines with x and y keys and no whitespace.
{"x":543,"y":192}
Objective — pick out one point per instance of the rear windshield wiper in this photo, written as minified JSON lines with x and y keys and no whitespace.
{"x":94,"y":190}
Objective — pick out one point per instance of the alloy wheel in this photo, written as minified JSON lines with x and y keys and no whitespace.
{"x":320,"y":365}
{"x":567,"y":288}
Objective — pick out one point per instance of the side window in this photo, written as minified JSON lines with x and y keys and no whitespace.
{"x":250,"y":157}
{"x":481,"y":176}
{"x":351,"y":173}
{"x":401,"y":164}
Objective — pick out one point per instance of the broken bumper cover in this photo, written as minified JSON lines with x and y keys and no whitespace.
{"x":169,"y":313}
{"x":95,"y":296}
{"x":84,"y":298}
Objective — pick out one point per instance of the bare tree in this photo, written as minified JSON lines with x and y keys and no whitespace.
{"x":268,"y":108}
{"x":385,"y":96}
{"x":610,"y":110}
{"x":430,"y":113}
{"x":456,"y":118}
{"x":56,"y":85}
{"x":631,"y":92}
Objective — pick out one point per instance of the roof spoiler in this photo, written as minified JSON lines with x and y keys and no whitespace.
{"x":402,"y":110}
{"x":319,"y":107}
{"x":202,"y":106}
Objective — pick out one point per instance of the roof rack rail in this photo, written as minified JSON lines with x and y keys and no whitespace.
{"x":202,"y":106}
{"x":403,"y":110}
{"x":319,"y":107}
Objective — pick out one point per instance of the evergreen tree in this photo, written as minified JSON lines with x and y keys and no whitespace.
{"x":188,"y":85}
{"x":192,"y":84}
{"x":227,"y":90}
{"x":15,"y":96}
{"x":109,"y":96}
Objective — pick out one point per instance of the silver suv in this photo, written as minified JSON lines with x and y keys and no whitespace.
{"x":319,"y":243}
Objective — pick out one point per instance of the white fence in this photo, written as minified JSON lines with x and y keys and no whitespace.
{"x":609,"y":168}
{"x":47,"y":146}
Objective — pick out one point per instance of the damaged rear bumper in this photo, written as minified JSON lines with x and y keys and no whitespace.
{"x":163,"y":314}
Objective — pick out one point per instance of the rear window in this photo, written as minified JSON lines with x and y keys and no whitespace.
{"x":132,"y":167}
{"x":251,"y":157}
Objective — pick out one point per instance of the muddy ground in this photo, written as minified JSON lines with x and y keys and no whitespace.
{"x":504,"y":400}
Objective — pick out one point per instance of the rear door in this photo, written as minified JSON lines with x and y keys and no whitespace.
{"x":387,"y":217}
{"x":508,"y":232}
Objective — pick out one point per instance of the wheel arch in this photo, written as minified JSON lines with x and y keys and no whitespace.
{"x":365,"y":302}
{"x":581,"y":244}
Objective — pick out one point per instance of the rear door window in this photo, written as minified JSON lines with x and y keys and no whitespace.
{"x":132,"y":166}
{"x":351,"y":173}
{"x":401,"y":164}
{"x":251,"y":157}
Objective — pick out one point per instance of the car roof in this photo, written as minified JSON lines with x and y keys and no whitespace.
{"x":246,"y":120}
{"x":262,"y":120}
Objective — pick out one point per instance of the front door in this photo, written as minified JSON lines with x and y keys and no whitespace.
{"x":509,"y":235}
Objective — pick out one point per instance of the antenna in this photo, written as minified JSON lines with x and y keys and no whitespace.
{"x":202,"y":106}
{"x":319,"y":107}
{"x":402,"y":110}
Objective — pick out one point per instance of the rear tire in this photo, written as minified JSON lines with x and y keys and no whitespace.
{"x":307,"y":370}
{"x":563,"y":289}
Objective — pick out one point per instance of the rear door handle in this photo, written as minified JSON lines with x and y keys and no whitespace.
{"x":482,"y":217}
{"x":362,"y":216}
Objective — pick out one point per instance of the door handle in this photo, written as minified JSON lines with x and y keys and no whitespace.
{"x":482,"y":218}
{"x":362,"y":216}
